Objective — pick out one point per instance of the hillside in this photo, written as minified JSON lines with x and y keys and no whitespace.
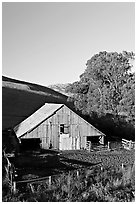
{"x":61,"y":88}
{"x":20,"y":99}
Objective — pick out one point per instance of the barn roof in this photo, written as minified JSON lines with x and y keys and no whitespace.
{"x":41,"y":115}
{"x":36,"y":118}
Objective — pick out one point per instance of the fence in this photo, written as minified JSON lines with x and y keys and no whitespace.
{"x":8,"y":170}
{"x":128,"y":144}
{"x":88,"y":146}
{"x":112,"y":145}
{"x":48,"y":180}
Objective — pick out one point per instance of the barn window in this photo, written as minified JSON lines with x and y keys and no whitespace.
{"x":64,"y":129}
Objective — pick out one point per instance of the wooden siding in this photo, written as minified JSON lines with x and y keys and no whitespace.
{"x":49,"y":130}
{"x":36,"y":118}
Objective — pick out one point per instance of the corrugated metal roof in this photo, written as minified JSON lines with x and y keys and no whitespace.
{"x":36,"y":118}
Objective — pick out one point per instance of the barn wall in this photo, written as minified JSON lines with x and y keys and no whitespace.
{"x":49,"y":130}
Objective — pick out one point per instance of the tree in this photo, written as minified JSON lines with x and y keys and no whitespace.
{"x":106,"y":86}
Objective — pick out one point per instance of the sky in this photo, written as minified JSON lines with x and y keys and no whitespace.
{"x":50,"y":43}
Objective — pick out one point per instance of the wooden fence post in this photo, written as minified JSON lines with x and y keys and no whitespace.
{"x":130,"y":144}
{"x":14,"y":187}
{"x":108,"y":145}
{"x":68,"y":183}
{"x":77,"y":173}
{"x":49,"y":181}
{"x":11,"y":181}
{"x":31,"y":188}
{"x":122,"y":166}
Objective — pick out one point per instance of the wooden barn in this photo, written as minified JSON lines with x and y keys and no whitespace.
{"x":57,"y":126}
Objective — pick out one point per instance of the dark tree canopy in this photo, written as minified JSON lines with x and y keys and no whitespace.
{"x":107,"y":86}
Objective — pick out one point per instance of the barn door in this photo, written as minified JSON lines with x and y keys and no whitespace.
{"x":65,"y":142}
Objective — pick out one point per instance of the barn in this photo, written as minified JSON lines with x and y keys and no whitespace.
{"x":57,"y":126}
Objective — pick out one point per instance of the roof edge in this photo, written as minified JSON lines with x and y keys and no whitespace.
{"x":87,"y":122}
{"x":61,"y":105}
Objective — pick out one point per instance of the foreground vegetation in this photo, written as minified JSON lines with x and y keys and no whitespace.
{"x":106,"y":181}
{"x":98,"y":185}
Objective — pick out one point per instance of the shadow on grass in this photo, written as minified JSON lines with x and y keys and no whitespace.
{"x":46,"y":164}
{"x":78,"y":162}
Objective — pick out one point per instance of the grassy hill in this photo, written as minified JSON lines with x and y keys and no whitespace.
{"x":20,"y":99}
{"x":61,"y":88}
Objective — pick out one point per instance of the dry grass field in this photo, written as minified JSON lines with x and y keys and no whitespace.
{"x":50,"y":162}
{"x":101,"y":176}
{"x":20,"y":99}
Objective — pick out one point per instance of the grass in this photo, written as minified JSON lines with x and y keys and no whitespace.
{"x":104,"y":182}
{"x":49,"y":163}
{"x":20,"y":99}
{"x":96,"y":185}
